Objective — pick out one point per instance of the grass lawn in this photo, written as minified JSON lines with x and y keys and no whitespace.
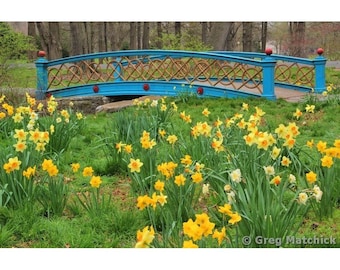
{"x":109,"y":217}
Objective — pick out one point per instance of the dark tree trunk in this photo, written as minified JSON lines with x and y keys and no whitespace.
{"x":50,"y":39}
{"x":78,"y":38}
{"x":247,"y":37}
{"x":146,"y":35}
{"x":139,"y":35}
{"x":204,"y":32}
{"x":159,"y":35}
{"x":133,"y":36}
{"x":102,"y":37}
{"x":114,"y":35}
{"x":31,"y":31}
{"x":297,"y":31}
{"x":223,"y":35}
{"x":178,"y":29}
{"x":264,"y":31}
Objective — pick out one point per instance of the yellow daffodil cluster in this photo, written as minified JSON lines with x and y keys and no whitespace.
{"x":184,"y":117}
{"x":145,"y":237}
{"x":12,"y":165}
{"x":201,"y":129}
{"x":234,"y":217}
{"x":276,"y":148}
{"x":146,"y":201}
{"x":95,"y":181}
{"x":200,"y":228}
{"x":146,"y":142}
{"x":51,"y":168}
{"x":329,"y":90}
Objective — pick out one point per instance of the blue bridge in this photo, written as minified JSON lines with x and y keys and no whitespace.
{"x":171,"y":73}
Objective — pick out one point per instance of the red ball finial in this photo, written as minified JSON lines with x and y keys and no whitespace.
{"x":200,"y":90}
{"x":268,"y":51}
{"x":41,"y":53}
{"x":95,"y":88}
{"x":319,"y":51}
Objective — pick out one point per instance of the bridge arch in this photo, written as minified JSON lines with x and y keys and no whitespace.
{"x":170,"y":73}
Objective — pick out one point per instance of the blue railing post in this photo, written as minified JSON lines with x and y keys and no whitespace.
{"x":118,"y":73}
{"x":268,"y":84}
{"x":320,"y":72}
{"x":42,"y":75}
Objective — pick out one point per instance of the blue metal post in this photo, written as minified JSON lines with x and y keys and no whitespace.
{"x":118,"y":74}
{"x":320,"y":72}
{"x":268,"y":66}
{"x":42,"y":76}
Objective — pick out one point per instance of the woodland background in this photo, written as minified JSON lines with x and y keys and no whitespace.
{"x":301,"y":39}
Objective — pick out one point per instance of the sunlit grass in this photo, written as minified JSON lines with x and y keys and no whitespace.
{"x":116,"y":226}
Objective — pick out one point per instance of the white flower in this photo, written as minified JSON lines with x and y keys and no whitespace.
{"x":205,"y":189}
{"x":269,"y":170}
{"x":231,"y":197}
{"x":303,"y":197}
{"x":154,"y":103}
{"x":235,"y":175}
{"x":292,"y":179}
{"x":317,"y":193}
{"x":227,"y":188}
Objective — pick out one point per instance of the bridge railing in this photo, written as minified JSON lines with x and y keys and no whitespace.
{"x":294,"y":72}
{"x":134,"y":72}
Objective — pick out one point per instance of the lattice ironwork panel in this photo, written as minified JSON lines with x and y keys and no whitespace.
{"x":294,"y":73}
{"x":189,"y":69}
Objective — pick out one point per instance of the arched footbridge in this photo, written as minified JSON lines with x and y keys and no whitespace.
{"x":170,"y":73}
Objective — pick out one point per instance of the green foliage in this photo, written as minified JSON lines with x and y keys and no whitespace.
{"x":185,"y":42}
{"x":108,"y":217}
{"x":13,"y":46}
{"x":53,"y":194}
{"x":94,"y":203}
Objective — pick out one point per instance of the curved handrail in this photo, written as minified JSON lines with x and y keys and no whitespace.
{"x":261,"y":62}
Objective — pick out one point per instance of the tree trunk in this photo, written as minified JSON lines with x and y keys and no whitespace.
{"x":85,"y":35}
{"x":146,"y":35}
{"x":31,"y":31}
{"x":78,"y":38}
{"x":178,"y":29}
{"x":297,"y":31}
{"x":247,"y":37}
{"x":264,"y":31}
{"x":101,"y":37}
{"x":114,"y":35}
{"x":50,"y":39}
{"x":133,"y":36}
{"x":139,"y":35}
{"x":204,"y":32}
{"x":223,"y":35}
{"x":159,"y":35}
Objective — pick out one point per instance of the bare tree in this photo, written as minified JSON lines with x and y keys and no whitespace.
{"x":159,"y":35}
{"x":102,"y":40}
{"x":178,"y":29}
{"x":204,"y":32}
{"x":31,"y":31}
{"x":247,"y":36}
{"x":146,"y":35}
{"x":78,"y":38}
{"x":50,"y":39}
{"x":297,"y":31}
{"x":264,"y":31}
{"x":223,"y":35}
{"x":133,"y":35}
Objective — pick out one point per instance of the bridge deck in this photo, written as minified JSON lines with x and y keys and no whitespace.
{"x":289,"y":95}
